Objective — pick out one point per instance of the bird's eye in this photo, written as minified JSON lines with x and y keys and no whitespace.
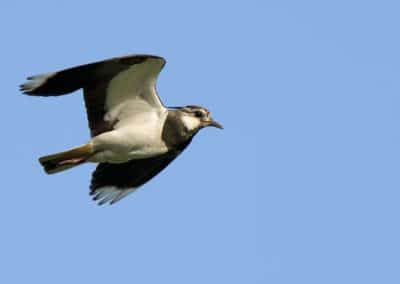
{"x":198,"y":113}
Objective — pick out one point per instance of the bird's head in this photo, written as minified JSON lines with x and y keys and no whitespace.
{"x":195,"y":118}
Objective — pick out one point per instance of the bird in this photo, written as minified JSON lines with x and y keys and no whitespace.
{"x":133,"y":135}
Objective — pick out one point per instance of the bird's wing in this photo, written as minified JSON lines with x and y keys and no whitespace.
{"x":114,"y":89}
{"x":112,"y":182}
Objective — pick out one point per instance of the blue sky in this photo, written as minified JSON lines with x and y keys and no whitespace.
{"x":302,"y":185}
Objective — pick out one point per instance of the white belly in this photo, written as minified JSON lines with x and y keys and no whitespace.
{"x":136,"y":138}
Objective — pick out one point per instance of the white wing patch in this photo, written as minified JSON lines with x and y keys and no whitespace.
{"x":137,"y":112}
{"x":134,"y":87}
{"x":111,"y":194}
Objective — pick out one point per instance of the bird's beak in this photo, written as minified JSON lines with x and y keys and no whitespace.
{"x":213,"y":123}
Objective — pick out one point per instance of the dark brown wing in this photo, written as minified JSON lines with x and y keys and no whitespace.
{"x":112,"y":182}
{"x":94,"y":78}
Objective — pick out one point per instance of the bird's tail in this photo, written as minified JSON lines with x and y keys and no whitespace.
{"x":65,"y":160}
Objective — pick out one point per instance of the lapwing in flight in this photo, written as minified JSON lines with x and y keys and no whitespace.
{"x":133,"y":135}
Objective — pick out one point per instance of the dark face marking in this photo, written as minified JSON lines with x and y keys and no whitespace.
{"x":174,"y":133}
{"x":198,"y":114}
{"x":196,"y":111}
{"x":202,"y":114}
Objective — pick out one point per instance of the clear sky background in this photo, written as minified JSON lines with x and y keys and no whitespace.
{"x":302,"y":185}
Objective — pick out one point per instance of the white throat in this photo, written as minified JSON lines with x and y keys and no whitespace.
{"x":191,"y":123}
